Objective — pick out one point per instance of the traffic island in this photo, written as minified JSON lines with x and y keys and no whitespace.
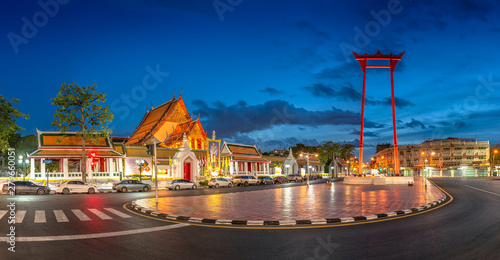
{"x":318,"y":204}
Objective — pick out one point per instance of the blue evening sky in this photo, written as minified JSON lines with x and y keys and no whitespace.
{"x":272,"y":73}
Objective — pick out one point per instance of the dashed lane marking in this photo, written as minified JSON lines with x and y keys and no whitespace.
{"x":2,"y":213}
{"x":496,"y":194}
{"x":100,"y":214}
{"x":60,"y":216}
{"x":78,"y":213}
{"x":40,"y":216}
{"x":118,"y":213}
{"x":97,"y":235}
{"x":20,"y":216}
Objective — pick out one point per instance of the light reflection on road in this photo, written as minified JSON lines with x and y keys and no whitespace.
{"x":299,"y":202}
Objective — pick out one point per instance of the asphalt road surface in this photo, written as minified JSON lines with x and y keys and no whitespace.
{"x":466,"y":228}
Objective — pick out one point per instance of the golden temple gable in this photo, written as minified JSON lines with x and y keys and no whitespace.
{"x":167,"y":123}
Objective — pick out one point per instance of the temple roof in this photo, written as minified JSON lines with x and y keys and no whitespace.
{"x":229,"y":149}
{"x":169,"y":117}
{"x":73,"y":153}
{"x":69,"y":145}
{"x":69,"y":140}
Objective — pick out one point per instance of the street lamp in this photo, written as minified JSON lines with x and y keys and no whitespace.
{"x":306,"y":155}
{"x":23,"y":162}
{"x":425,"y":154}
{"x":140,"y":163}
{"x":493,"y":162}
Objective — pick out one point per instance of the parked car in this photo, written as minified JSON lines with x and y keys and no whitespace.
{"x":76,"y":186}
{"x":245,"y":180}
{"x":219,"y":182}
{"x":316,"y":177}
{"x":181,"y":184}
{"x":281,"y":179}
{"x":26,"y":187}
{"x":264,"y":180}
{"x":295,"y":177}
{"x":132,"y":185}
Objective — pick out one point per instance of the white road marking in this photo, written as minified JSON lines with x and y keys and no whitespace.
{"x":483,"y":190}
{"x":100,"y":214}
{"x":81,"y":215}
{"x":2,"y":213}
{"x":97,"y":235}
{"x":60,"y":217}
{"x":40,"y":216}
{"x":20,"y":216}
{"x":119,"y":213}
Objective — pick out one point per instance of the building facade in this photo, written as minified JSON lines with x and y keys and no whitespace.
{"x":437,"y":155}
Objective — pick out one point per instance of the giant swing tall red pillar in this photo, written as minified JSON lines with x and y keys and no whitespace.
{"x":393,"y":59}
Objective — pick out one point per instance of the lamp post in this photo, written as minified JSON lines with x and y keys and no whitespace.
{"x":306,"y":155}
{"x":427,"y":156}
{"x":140,"y":163}
{"x":493,"y":162}
{"x":23,"y":162}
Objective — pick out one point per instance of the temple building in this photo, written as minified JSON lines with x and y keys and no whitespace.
{"x":59,"y":156}
{"x":244,"y":159}
{"x":168,"y":123}
{"x":180,"y":141}
{"x":181,"y":151}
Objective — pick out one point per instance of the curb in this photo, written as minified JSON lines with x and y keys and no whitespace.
{"x":324,"y":221}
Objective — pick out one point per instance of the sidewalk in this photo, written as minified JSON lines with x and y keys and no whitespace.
{"x":318,"y":201}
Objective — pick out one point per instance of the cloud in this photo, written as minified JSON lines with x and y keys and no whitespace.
{"x":460,"y":124}
{"x":231,"y":120}
{"x":271,"y":91}
{"x":414,"y":124}
{"x":365,"y":133}
{"x":350,"y":94}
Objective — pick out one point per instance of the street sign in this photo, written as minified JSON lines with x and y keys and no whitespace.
{"x":47,"y":161}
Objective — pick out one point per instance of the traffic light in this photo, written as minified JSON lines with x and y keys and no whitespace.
{"x":92,"y":159}
{"x":150,"y":149}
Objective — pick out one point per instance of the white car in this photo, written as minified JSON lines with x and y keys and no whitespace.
{"x":219,"y":182}
{"x":76,"y":186}
{"x":181,"y":184}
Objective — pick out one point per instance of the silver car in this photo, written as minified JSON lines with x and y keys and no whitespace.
{"x":131,"y":185}
{"x":181,"y":184}
{"x":219,"y":182}
{"x":19,"y":187}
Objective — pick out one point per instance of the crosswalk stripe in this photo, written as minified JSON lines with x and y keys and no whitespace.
{"x":100,"y":214}
{"x":119,"y":213}
{"x":40,"y":216}
{"x":80,"y":215}
{"x":20,"y":216}
{"x":60,"y":217}
{"x":2,"y":213}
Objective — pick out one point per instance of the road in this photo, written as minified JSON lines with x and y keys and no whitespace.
{"x":466,"y":228}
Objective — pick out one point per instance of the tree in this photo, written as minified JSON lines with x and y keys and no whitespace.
{"x":25,"y":146}
{"x":8,"y":117}
{"x":300,"y":147}
{"x":79,"y":108}
{"x":328,"y":151}
{"x":346,"y":151}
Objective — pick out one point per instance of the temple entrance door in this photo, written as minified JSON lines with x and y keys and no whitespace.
{"x":249,"y":167}
{"x":187,"y":171}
